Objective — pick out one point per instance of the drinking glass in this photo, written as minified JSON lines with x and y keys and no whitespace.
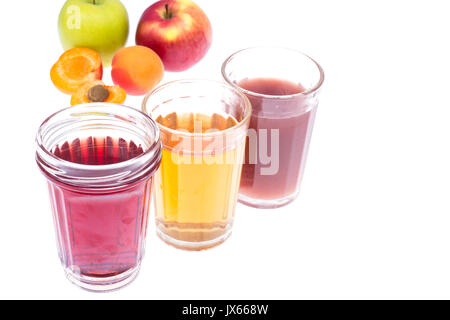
{"x":203,"y":128}
{"x":99,"y":160}
{"x":283,"y":87}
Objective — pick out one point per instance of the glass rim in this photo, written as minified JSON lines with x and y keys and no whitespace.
{"x":245,"y":119}
{"x":120,"y":171}
{"x":314,"y":88}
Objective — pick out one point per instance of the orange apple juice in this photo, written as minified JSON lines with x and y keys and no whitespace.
{"x":196,"y":189}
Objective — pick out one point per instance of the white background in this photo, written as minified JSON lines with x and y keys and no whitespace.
{"x":373,"y":217}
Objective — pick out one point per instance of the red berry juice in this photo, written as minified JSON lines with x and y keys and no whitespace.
{"x":100,"y":231}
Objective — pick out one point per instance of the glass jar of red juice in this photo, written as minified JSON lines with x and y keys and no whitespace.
{"x":99,"y":160}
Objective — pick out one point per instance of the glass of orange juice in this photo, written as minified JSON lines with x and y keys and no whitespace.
{"x":203,"y":128}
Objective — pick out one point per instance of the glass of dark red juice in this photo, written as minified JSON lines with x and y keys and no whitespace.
{"x":99,"y":160}
{"x":283,"y":87}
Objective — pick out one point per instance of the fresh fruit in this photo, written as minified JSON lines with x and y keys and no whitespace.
{"x":75,"y":67}
{"x":96,"y":91}
{"x":101,"y":25}
{"x":177,"y":30}
{"x":137,"y":69}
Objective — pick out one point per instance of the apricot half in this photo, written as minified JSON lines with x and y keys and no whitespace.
{"x":96,"y":91}
{"x":76,"y":67}
{"x":137,"y":69}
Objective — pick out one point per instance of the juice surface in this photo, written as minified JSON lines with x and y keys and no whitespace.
{"x":97,"y":150}
{"x":195,"y":193}
{"x":271,"y":86}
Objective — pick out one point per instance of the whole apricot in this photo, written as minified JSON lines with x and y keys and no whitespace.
{"x":137,"y":69}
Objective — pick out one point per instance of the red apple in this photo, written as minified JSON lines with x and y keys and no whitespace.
{"x":177,"y":30}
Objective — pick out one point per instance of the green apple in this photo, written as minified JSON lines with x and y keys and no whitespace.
{"x":101,"y":25}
